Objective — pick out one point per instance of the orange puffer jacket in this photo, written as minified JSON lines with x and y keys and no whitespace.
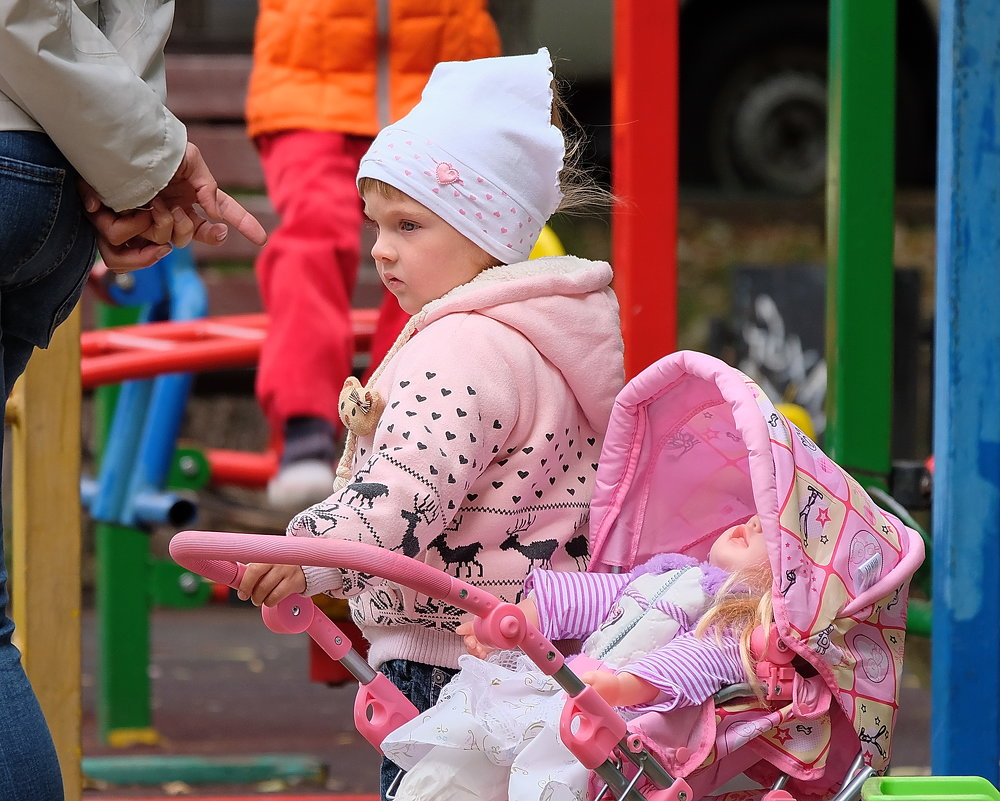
{"x":355,"y":65}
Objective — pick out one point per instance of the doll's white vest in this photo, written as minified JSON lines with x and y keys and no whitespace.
{"x":652,"y":609}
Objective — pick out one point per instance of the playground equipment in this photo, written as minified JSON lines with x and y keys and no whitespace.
{"x":929,"y":788}
{"x":44,"y":415}
{"x":965,"y":663}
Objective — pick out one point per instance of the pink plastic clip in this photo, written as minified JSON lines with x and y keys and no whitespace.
{"x":774,"y":669}
{"x":503,"y":627}
{"x":380,"y":708}
{"x":777,"y":682}
{"x":590,"y":728}
{"x":293,"y":615}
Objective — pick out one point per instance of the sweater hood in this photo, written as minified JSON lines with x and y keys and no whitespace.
{"x":565,"y":307}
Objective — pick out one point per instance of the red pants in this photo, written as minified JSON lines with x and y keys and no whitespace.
{"x":306,"y":274}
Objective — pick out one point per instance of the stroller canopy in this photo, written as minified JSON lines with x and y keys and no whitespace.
{"x":693,"y":447}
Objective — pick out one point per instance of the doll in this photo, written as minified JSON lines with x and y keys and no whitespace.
{"x":670,"y":633}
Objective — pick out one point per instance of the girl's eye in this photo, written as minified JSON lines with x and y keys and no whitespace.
{"x":406,"y":225}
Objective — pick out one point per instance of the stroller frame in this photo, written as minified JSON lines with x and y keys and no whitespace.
{"x":593,"y":730}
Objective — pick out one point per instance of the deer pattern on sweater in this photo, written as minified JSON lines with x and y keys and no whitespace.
{"x":441,"y":483}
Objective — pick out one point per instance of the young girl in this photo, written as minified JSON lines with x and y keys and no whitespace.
{"x":670,"y":634}
{"x":474,"y":446}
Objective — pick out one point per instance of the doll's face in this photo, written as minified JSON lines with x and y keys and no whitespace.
{"x":740,"y":547}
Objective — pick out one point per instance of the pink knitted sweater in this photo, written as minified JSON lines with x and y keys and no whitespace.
{"x":483,"y":461}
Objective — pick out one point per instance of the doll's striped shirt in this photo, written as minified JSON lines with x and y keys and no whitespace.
{"x":687,"y":670}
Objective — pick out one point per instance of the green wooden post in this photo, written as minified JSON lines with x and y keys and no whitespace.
{"x":124,"y":711}
{"x":860,"y":236}
{"x":124,"y":698}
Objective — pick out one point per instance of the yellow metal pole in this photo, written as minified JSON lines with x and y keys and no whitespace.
{"x":44,"y":411}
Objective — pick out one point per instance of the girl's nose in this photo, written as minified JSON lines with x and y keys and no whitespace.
{"x":381,"y":251}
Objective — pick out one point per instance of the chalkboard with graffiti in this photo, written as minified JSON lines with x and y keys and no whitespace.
{"x":776,"y":333}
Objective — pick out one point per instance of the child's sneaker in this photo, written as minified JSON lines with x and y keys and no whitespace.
{"x":299,"y":485}
{"x":305,"y":475}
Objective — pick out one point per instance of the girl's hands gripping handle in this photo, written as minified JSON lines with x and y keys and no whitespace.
{"x":216,"y":554}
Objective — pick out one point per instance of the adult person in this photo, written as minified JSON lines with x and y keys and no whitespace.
{"x":89,"y":157}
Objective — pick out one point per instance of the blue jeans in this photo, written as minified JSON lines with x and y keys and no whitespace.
{"x":420,"y":683}
{"x":46,"y":252}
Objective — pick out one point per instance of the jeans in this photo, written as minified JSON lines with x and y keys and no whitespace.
{"x":422,"y":684}
{"x":46,"y":251}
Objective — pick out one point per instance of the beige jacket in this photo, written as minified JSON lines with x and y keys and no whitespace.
{"x":90,"y":74}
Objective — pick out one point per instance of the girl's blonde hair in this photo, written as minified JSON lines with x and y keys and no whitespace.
{"x":580,"y":192}
{"x":742,"y":604}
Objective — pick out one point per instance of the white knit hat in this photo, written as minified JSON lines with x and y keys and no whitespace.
{"x":480,"y":151}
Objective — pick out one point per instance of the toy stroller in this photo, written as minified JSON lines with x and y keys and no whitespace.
{"x":692,"y":445}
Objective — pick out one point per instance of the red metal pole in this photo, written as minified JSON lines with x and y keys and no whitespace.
{"x":112,"y":355}
{"x":644,"y":175}
{"x":229,"y":468}
{"x":190,"y":357}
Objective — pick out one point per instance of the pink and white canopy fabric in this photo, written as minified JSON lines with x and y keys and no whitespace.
{"x":695,"y":446}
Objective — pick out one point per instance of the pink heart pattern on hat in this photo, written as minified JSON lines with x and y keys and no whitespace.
{"x":446,"y":174}
{"x":490,"y":217}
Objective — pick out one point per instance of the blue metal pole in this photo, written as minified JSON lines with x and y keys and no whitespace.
{"x":145,"y":502}
{"x":965,"y":650}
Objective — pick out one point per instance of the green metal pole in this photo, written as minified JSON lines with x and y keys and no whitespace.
{"x":124,"y":707}
{"x":860,"y":236}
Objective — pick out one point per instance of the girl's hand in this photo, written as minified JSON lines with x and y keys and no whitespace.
{"x":269,"y":585}
{"x":620,"y":689}
{"x":480,"y":649}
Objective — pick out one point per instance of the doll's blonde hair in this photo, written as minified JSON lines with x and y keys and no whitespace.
{"x":742,"y":604}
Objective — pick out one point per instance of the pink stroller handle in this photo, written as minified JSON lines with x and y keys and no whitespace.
{"x":216,"y":555}
{"x":379,"y":707}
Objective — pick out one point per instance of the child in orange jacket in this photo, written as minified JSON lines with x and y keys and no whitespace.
{"x":325,"y":80}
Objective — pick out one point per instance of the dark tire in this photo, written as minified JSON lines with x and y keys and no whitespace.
{"x":753,"y":95}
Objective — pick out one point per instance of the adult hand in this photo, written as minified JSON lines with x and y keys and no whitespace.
{"x":134,"y":239}
{"x":193,"y":183}
{"x":120,"y":237}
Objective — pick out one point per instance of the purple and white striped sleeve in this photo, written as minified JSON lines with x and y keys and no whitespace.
{"x":572,"y":605}
{"x":689,"y":669}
